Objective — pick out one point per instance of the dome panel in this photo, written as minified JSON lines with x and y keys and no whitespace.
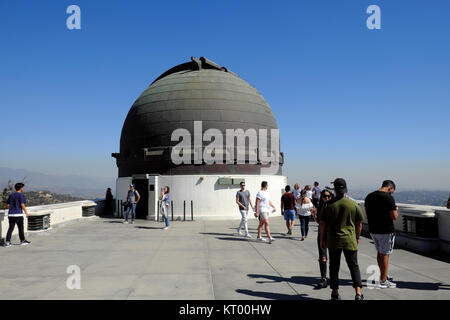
{"x":184,"y":94}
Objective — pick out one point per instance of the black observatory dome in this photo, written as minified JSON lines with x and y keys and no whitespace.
{"x":199,"y":90}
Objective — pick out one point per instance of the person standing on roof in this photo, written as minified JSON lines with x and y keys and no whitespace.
{"x":316,"y":194}
{"x":341,"y":221}
{"x":263,"y":204}
{"x":16,"y":202}
{"x":325,"y":197}
{"x":133,"y":198}
{"x":243,"y":201}
{"x":165,"y":203}
{"x":288,"y":209}
{"x":304,"y":213}
{"x":381,"y":211}
{"x":297,"y":193}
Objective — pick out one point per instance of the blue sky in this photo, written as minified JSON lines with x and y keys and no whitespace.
{"x":64,"y":94}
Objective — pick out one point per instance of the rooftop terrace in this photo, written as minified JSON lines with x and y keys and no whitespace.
{"x":195,"y":260}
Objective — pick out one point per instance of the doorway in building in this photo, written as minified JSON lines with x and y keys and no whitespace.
{"x":141,"y":185}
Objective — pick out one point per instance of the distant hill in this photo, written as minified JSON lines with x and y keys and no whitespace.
{"x":73,"y":185}
{"x":39,"y":198}
{"x":424,"y":197}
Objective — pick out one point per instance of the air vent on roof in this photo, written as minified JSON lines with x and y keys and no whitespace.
{"x":88,"y":211}
{"x":39,"y":222}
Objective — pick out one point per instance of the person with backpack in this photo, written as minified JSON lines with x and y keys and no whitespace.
{"x":133,"y":198}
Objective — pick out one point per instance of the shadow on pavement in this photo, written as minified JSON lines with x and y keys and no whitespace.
{"x":274,"y":295}
{"x":219,"y":234}
{"x":234,"y":239}
{"x":422,"y":285}
{"x":148,"y":228}
{"x":309,"y":281}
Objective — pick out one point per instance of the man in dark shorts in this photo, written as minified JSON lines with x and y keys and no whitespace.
{"x":16,"y":203}
{"x":381,"y":212}
{"x":288,"y":208}
{"x":342,"y":221}
{"x":448,"y":203}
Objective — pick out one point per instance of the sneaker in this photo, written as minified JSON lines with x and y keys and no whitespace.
{"x":125,"y":222}
{"x":359,"y":297}
{"x":289,"y":232}
{"x":323,"y":283}
{"x":165,"y":228}
{"x":248,"y":235}
{"x":132,"y":221}
{"x":239,"y":231}
{"x":387,"y":284}
{"x":261,"y":239}
{"x":25,"y":242}
{"x":335,"y":297}
{"x":271,"y":240}
{"x":390,"y":278}
{"x":7,"y":244}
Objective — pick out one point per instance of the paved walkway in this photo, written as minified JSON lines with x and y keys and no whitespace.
{"x":195,"y":260}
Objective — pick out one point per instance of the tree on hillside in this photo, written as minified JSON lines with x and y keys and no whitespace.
{"x":9,"y":189}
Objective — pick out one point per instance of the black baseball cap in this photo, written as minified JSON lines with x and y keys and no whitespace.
{"x":340,"y":185}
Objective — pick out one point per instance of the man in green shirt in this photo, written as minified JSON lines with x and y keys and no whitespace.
{"x":341,"y":221}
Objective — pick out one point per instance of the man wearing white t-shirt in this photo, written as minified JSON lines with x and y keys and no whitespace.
{"x":262,"y":210}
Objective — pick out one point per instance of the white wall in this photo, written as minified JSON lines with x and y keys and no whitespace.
{"x":4,"y":225}
{"x":122,"y":187}
{"x":211,"y":200}
{"x":59,"y":213}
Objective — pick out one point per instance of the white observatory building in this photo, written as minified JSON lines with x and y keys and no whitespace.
{"x":201,"y":130}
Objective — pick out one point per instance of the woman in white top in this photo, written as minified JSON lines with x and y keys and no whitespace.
{"x":309,"y":192}
{"x":297,"y":192}
{"x":304,"y":213}
{"x":165,"y":203}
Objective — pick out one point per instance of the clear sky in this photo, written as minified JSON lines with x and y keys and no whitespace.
{"x":352,"y":102}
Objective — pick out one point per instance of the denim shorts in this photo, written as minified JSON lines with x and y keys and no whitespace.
{"x":289,"y":215}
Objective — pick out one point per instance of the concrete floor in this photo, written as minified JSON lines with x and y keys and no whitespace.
{"x":195,"y":260}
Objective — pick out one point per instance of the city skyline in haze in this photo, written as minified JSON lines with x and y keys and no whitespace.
{"x":351,"y":102}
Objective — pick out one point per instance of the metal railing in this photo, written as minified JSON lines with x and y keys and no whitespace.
{"x":172,"y":210}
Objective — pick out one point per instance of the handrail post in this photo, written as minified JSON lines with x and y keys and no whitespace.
{"x":171,"y":202}
{"x":184,"y":210}
{"x":157,"y":212}
{"x":192,"y":210}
